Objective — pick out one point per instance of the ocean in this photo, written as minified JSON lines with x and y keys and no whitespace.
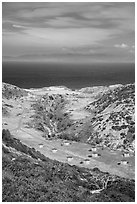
{"x":74,"y":76}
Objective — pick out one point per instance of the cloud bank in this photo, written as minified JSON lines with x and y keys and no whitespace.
{"x":89,"y":32}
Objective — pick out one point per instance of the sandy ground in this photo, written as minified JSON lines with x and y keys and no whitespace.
{"x":76,"y":108}
{"x":107,"y":162}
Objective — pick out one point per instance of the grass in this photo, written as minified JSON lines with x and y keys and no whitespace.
{"x":28,"y":176}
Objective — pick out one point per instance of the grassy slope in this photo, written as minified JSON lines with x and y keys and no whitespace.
{"x":30,"y":176}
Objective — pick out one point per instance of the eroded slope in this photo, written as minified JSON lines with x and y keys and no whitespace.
{"x":46,"y":118}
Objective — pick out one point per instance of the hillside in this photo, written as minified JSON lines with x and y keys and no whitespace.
{"x":59,"y":129}
{"x":114,"y":120}
{"x":94,"y":114}
{"x":10,"y":91}
{"x":28,"y":176}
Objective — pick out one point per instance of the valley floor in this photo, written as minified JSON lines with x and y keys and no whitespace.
{"x":72,"y":152}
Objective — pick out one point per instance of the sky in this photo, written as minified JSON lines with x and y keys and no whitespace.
{"x":68,"y":32}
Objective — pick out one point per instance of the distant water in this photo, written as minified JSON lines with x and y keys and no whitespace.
{"x":36,"y":75}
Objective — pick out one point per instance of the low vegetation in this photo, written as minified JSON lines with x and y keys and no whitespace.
{"x":49,"y":112}
{"x":114,"y":118}
{"x":9,"y":91}
{"x":28,"y":176}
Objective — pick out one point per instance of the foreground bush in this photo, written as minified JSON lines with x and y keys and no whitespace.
{"x":28,"y":176}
